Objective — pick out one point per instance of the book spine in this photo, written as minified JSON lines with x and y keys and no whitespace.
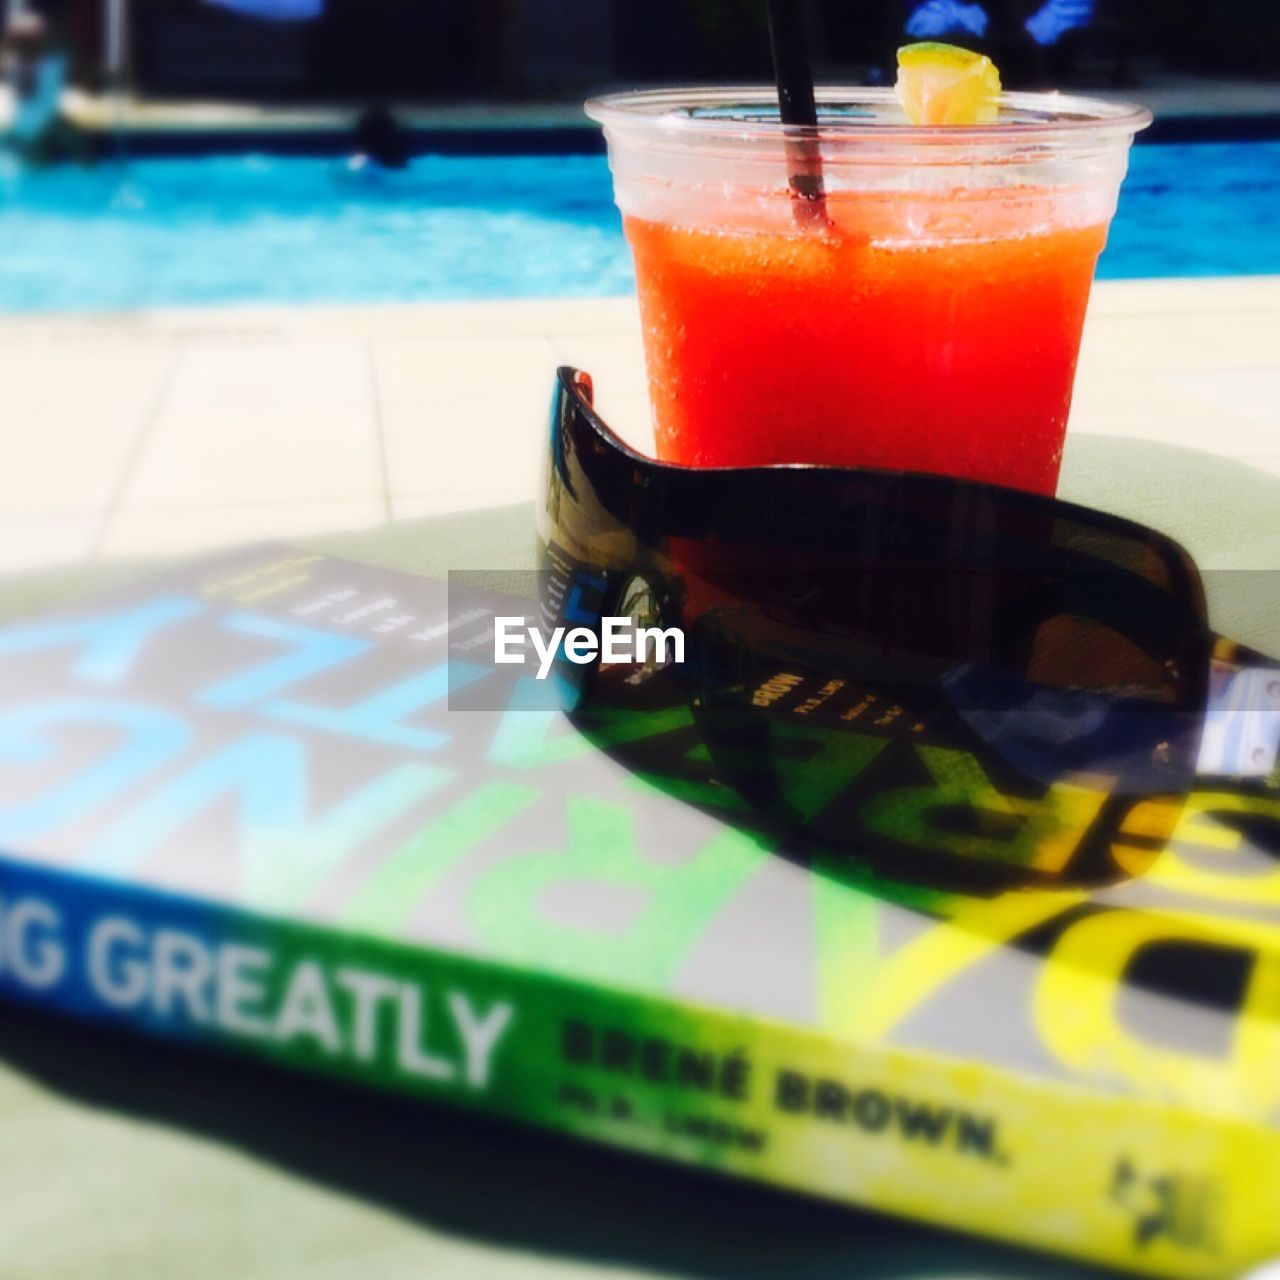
{"x":1148,"y":1187}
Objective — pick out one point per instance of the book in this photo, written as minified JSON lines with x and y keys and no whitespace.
{"x":240,"y":803}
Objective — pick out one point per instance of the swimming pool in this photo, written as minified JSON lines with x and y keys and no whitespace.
{"x":257,"y":228}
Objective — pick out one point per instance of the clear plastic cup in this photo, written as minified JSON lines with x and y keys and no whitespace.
{"x":928,"y":319}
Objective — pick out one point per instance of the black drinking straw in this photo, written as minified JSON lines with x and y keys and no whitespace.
{"x":794,"y":77}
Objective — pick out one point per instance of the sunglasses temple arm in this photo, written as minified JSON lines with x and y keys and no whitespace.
{"x":1241,"y":735}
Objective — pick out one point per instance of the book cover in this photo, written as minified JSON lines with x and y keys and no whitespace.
{"x":238,"y":804}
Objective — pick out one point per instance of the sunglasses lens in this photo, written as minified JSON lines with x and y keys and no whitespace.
{"x":989,"y":710}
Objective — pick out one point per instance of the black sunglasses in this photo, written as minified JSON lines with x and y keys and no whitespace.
{"x":826,"y":613}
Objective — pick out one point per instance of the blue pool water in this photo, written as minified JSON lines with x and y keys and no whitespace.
{"x":275,"y":229}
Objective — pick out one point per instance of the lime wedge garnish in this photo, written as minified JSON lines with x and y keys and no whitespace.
{"x":943,"y":84}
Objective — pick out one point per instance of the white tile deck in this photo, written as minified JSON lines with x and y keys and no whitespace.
{"x":33,"y":542}
{"x":176,"y":530}
{"x":437,"y":448}
{"x":71,"y":423}
{"x":259,"y":423}
{"x":178,"y":430}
